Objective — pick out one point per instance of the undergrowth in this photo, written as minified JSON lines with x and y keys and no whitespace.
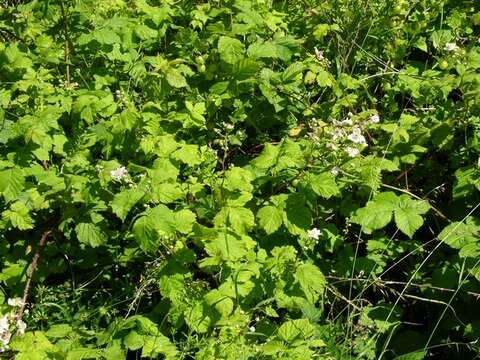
{"x":244,"y":179}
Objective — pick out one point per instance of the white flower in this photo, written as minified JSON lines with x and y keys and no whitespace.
{"x":15,"y":302}
{"x":335,"y":171}
{"x":319,"y":54}
{"x":228,"y":126}
{"x":344,"y":122}
{"x":357,"y":138}
{"x":4,"y":333}
{"x":119,"y":173}
{"x":314,"y":233}
{"x":4,"y":324}
{"x":352,"y":152}
{"x":119,"y":94}
{"x":332,"y":146}
{"x":313,"y":136}
{"x":356,"y":130}
{"x":4,"y":340}
{"x":252,"y":328}
{"x":21,"y":326}
{"x":450,"y":47}
{"x":338,"y":134}
{"x":375,"y":119}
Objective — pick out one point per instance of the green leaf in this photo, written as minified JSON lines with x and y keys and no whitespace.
{"x":291,"y":72}
{"x":223,"y":304}
{"x":297,"y":217}
{"x":163,"y":170}
{"x":13,"y":273}
{"x":407,"y":214}
{"x":378,"y":213}
{"x":280,"y":48}
{"x":238,"y":179}
{"x":197,"y":318}
{"x":230,"y":50}
{"x":267,"y":158}
{"x":459,"y":234}
{"x":373,"y":216}
{"x":32,"y":342}
{"x":167,"y":192}
{"x":124,"y":201}
{"x":196,"y":112}
{"x":159,"y":344}
{"x":12,"y":182}
{"x":19,"y":216}
{"x":470,"y":250}
{"x":415,"y":355}
{"x":324,"y":185}
{"x":292,"y":330}
{"x":239,"y":218}
{"x":184,"y":220}
{"x":188,"y":154}
{"x":384,"y":316}
{"x":80,"y":353}
{"x":245,"y":68}
{"x":106,"y":36}
{"x":290,"y":156}
{"x":59,"y":331}
{"x":311,"y":280}
{"x":228,"y":246}
{"x":440,"y":37}
{"x":408,"y":221}
{"x":269,"y":218}
{"x":175,"y":78}
{"x":145,"y":234}
{"x":158,"y":222}
{"x":90,"y":234}
{"x":134,"y":341}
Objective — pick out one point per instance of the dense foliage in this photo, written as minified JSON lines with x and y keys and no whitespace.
{"x":239,"y":179}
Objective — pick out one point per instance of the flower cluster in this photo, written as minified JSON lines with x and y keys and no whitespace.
{"x":450,"y":47}
{"x":350,"y":134}
{"x":228,"y":127}
{"x":374,"y":119}
{"x":357,"y":137}
{"x":119,"y":95}
{"x":335,"y":171}
{"x":352,"y":151}
{"x":68,"y":85}
{"x":311,"y":240}
{"x":6,"y":322}
{"x":320,"y":57}
{"x":314,"y":233}
{"x":5,"y":334}
{"x":319,"y":54}
{"x":119,"y":174}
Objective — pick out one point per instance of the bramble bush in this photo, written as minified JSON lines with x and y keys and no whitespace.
{"x":239,"y":179}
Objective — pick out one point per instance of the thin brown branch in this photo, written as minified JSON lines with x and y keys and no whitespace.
{"x":437,"y":211}
{"x":45,"y":165}
{"x":384,"y":283}
{"x":30,"y":272}
{"x":337,"y":293}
